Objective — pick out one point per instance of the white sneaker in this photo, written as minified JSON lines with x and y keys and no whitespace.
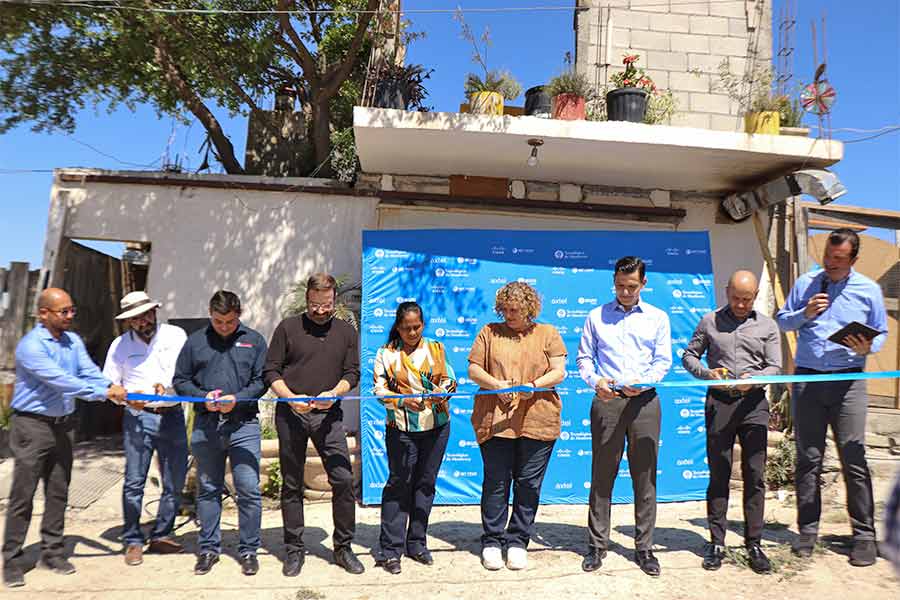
{"x":516,"y":558}
{"x":492,"y":559}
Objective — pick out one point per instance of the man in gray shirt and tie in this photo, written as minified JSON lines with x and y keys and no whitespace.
{"x":738,"y":343}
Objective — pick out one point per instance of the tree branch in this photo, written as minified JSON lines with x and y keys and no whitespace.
{"x":296,"y":47}
{"x":234,"y":85}
{"x":195,"y":104}
{"x":333,"y":78}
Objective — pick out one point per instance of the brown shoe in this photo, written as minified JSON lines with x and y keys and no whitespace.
{"x":134,"y":555}
{"x":165,"y":546}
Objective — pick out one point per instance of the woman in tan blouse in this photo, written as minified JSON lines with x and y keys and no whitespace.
{"x":515,"y":431}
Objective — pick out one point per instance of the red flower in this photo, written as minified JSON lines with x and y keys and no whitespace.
{"x":630,"y":59}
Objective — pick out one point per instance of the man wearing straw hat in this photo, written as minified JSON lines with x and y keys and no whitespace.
{"x":223,"y":363}
{"x":142,"y":360}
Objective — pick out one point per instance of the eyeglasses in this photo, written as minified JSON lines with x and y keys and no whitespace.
{"x":316,"y":306}
{"x":65,"y":312}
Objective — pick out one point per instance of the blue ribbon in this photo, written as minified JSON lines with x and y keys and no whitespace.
{"x":678,"y":383}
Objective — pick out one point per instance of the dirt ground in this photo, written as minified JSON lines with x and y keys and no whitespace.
{"x":554,"y":569}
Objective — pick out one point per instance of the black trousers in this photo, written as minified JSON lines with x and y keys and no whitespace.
{"x":843,"y":406}
{"x":636,"y":419}
{"x":326,"y":430}
{"x":41,"y":449}
{"x":747,"y":419}
{"x":414,"y":459}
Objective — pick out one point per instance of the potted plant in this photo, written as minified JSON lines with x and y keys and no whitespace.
{"x":791,"y":117}
{"x":570,"y":92}
{"x":486,"y":92}
{"x":401,"y":87}
{"x":753,"y":93}
{"x":627,"y":101}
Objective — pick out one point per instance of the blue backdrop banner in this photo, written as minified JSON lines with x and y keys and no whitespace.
{"x":454,"y":275}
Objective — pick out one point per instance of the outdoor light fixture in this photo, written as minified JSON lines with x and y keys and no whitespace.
{"x":822,"y":185}
{"x":535,"y":143}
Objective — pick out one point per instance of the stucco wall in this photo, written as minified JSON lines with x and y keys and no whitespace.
{"x":255,"y":243}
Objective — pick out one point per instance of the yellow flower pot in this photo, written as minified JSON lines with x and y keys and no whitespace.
{"x":768,"y":122}
{"x":486,"y":103}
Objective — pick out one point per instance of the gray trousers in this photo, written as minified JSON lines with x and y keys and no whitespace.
{"x":841,"y":404}
{"x":636,"y":419}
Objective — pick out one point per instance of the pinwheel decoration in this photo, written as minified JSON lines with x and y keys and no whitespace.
{"x":818,"y":96}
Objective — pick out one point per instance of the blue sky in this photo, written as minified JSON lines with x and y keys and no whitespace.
{"x":863,"y":51}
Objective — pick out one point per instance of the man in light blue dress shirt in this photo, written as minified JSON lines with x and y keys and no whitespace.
{"x":52,"y":370}
{"x":820,"y":304}
{"x":625,"y":341}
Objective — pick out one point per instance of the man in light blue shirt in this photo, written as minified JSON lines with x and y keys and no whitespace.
{"x":625,"y":341}
{"x":819,"y":305}
{"x":52,"y":370}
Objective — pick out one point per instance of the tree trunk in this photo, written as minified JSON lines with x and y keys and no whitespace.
{"x":321,"y":136}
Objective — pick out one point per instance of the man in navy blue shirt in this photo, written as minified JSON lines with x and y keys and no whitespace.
{"x":52,"y":370}
{"x":224,"y":364}
{"x":820,"y":304}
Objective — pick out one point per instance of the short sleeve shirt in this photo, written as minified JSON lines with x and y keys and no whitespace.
{"x":520,"y":357}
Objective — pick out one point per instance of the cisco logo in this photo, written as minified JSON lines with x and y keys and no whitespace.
{"x":672,"y":252}
{"x":677,"y":293}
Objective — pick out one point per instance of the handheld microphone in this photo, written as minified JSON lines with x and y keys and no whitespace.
{"x":823,"y":289}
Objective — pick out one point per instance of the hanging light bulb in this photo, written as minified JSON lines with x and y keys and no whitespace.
{"x":535,"y":143}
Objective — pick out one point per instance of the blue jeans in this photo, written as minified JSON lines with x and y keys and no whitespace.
{"x":144,"y":433}
{"x":212,"y":441}
{"x":519,"y":463}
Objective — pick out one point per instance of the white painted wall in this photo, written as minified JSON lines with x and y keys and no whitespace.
{"x":254,"y":243}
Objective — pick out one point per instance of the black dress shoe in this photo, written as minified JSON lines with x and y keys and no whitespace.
{"x":804,"y":545}
{"x":345,"y":558}
{"x":593,"y":560}
{"x":759,"y":562}
{"x":647,"y":562}
{"x":293,"y":563}
{"x":423,"y":557}
{"x":13,"y":576}
{"x":712,"y":557}
{"x":391,"y":565}
{"x":205,"y":562}
{"x":249,"y":564}
{"x":57,"y":564}
{"x":864,"y":553}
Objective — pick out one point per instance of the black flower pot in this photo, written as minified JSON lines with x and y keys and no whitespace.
{"x":626,"y":104}
{"x":390,"y":93}
{"x":538,"y":102}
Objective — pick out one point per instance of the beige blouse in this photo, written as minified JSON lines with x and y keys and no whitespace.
{"x":521,"y":357}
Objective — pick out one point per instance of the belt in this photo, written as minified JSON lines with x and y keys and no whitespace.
{"x":45,"y":418}
{"x":809,"y":371}
{"x":734,"y":392}
{"x":160,"y":410}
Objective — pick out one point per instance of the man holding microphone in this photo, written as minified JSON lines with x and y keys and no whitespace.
{"x":821,"y":303}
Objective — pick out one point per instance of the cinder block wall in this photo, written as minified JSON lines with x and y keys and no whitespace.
{"x":681,"y":45}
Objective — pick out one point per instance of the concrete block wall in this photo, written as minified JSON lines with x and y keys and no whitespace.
{"x":681,"y":45}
